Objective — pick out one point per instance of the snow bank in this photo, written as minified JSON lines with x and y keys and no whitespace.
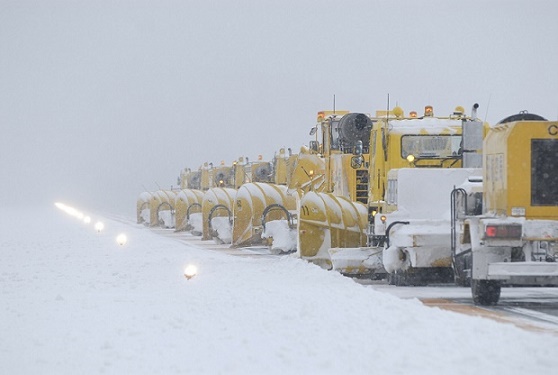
{"x":75,"y":302}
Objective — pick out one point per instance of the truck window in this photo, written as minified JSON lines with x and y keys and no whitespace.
{"x":544,"y":172}
{"x":432,"y":146}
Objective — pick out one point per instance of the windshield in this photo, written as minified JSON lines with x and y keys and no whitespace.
{"x":431,"y":146}
{"x":334,"y":129}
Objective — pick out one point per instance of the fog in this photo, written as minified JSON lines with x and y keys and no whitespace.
{"x":102,"y":100}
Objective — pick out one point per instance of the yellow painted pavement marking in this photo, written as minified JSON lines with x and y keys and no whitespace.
{"x":472,"y":310}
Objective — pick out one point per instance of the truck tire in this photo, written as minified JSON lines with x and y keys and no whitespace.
{"x":485,"y":292}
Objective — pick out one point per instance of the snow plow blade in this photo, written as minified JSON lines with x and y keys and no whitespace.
{"x":217,"y":208}
{"x":188,"y":202}
{"x":358,"y":262}
{"x":161,"y":209}
{"x":328,"y":221}
{"x":252,"y":201}
{"x":143,"y":208}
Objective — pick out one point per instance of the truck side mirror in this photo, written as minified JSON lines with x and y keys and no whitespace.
{"x":313,"y":145}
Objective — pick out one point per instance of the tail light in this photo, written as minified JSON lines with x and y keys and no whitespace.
{"x":503,"y":231}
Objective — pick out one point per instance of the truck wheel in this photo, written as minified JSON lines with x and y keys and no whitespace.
{"x":485,"y":292}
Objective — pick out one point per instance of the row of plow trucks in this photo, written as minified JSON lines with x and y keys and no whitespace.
{"x":414,"y":199}
{"x":205,"y":202}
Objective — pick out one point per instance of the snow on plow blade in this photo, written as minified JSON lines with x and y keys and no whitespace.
{"x":358,"y":262}
{"x":281,"y":234}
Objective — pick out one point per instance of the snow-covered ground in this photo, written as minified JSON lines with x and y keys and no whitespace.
{"x":73,"y":301}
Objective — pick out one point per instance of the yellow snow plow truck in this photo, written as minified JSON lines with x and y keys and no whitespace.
{"x":170,"y":208}
{"x":218,"y":201}
{"x":416,"y":144}
{"x":332,"y":210}
{"x":193,"y":184}
{"x":506,"y":233}
{"x":414,"y":226}
{"x":156,"y":208}
{"x":266,"y":201}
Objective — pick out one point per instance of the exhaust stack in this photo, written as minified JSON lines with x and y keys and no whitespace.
{"x":474,"y":111}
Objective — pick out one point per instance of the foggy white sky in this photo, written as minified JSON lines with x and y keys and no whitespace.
{"x":101,"y":100}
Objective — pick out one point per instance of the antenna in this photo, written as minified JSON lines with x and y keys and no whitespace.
{"x":487,"y":106}
{"x":158,"y":185}
{"x":387,"y":112}
{"x":333,"y":103}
